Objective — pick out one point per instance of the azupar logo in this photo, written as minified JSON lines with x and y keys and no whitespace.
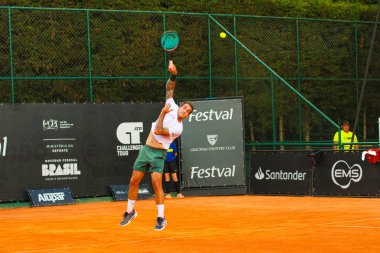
{"x":342,"y":174}
{"x":51,"y":197}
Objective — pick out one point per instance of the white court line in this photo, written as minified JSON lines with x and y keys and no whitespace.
{"x":347,"y":221}
{"x":351,"y":226}
{"x":153,"y":239}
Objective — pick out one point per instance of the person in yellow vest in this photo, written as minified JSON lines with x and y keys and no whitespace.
{"x":346,"y":136}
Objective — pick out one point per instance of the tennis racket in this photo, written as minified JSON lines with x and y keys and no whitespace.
{"x":169,"y":41}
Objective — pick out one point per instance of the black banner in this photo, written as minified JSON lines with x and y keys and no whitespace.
{"x":345,"y":174}
{"x":280,"y":173}
{"x":120,"y":191}
{"x":85,"y":147}
{"x":212,"y":144}
{"x":50,"y":197}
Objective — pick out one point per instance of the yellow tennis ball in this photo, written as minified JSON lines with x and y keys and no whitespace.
{"x":222,"y":35}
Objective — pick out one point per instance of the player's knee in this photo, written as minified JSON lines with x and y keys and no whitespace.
{"x":156,"y":184}
{"x":134,"y":181}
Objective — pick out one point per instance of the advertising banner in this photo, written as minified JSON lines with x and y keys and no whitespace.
{"x":212,"y":144}
{"x":120,"y":191}
{"x":85,"y":147}
{"x":49,"y":197}
{"x":280,"y":173}
{"x":345,"y":174}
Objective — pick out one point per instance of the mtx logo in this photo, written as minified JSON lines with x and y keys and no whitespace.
{"x":50,"y":124}
{"x":342,"y":174}
{"x":129,"y":134}
{"x":53,"y":124}
{"x":3,"y":146}
{"x":51,"y":197}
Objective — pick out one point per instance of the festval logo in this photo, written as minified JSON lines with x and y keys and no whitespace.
{"x":342,"y":174}
{"x":212,"y":139}
{"x":259,"y":174}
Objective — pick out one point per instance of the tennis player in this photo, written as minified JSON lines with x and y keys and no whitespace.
{"x":164,"y":131}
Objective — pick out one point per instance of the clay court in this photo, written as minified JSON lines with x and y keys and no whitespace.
{"x":199,"y":224}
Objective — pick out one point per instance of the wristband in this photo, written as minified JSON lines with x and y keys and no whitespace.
{"x":172,"y":77}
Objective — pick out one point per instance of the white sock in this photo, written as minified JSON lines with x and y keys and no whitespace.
{"x":131,"y":204}
{"x":160,"y":209}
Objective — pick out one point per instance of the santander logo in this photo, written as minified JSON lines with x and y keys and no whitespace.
{"x":259,"y":174}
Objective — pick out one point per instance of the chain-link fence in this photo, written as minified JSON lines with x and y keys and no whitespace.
{"x":316,"y":67}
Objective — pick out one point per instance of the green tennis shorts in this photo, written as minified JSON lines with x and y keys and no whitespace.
{"x":150,"y":160}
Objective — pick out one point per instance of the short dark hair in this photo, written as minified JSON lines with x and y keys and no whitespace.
{"x":345,"y":122}
{"x":188,"y":103}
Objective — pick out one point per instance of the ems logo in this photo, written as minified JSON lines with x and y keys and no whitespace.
{"x":342,"y":174}
{"x":212,"y":139}
{"x":259,"y":175}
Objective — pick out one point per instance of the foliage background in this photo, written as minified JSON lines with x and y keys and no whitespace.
{"x":81,"y":55}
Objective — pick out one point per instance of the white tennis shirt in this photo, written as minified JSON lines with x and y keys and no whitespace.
{"x":171,"y":122}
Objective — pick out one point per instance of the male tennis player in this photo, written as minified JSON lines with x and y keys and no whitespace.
{"x":164,"y":131}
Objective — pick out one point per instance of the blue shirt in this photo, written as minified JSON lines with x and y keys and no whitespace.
{"x":171,"y":151}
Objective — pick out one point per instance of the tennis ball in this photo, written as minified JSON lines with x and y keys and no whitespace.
{"x":222,"y":35}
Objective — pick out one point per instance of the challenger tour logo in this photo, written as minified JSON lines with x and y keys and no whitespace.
{"x":128,"y":133}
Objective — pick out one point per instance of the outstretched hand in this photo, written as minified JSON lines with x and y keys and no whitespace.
{"x":172,"y":68}
{"x":166,"y":109}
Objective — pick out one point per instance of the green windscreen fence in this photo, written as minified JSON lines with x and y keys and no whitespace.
{"x":316,"y":67}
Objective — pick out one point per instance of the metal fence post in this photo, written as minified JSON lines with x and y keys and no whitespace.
{"x":209,"y":55}
{"x":379,"y":129}
{"x":89,"y":56}
{"x":11,"y":54}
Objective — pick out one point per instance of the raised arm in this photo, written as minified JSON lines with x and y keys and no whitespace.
{"x":170,"y":85}
{"x":160,"y":129}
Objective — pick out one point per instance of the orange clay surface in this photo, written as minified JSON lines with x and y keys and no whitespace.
{"x":199,"y":224}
